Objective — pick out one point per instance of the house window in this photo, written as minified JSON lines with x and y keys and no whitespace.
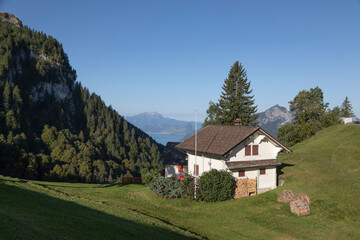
{"x":251,"y":150}
{"x":196,"y":170}
{"x":255,"y":150}
{"x":262,"y":171}
{"x":180,"y":168}
{"x":242,"y":173}
{"x":248,"y":150}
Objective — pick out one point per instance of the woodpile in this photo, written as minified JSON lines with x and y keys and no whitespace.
{"x":285,"y":196}
{"x":299,"y":207}
{"x":245,"y":187}
{"x":303,"y":197}
{"x":299,"y":203}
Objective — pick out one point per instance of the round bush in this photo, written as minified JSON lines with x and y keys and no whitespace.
{"x":149,"y":176}
{"x":187,"y":185}
{"x":166,"y":187}
{"x":216,"y":186}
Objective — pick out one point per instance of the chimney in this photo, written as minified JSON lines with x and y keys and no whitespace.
{"x":237,"y":122}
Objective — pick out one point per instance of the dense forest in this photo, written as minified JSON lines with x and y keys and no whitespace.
{"x":53,"y":128}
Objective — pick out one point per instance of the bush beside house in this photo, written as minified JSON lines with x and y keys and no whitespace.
{"x":213,"y":186}
{"x":149,"y":175}
{"x":166,"y":187}
{"x":216,"y":186}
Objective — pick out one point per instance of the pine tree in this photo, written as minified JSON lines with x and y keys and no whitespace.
{"x":7,"y":96}
{"x":235,"y":101}
{"x":346,"y":108}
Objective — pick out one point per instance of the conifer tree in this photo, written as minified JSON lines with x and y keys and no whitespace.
{"x":346,"y":108}
{"x":236,"y":100}
{"x":7,"y":96}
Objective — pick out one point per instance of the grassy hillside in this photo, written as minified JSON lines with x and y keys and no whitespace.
{"x":327,"y":167}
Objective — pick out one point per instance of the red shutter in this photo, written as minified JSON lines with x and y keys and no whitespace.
{"x":248,"y":150}
{"x":255,"y":150}
{"x":180,"y":168}
{"x":262,"y":171}
{"x":196,"y":170}
{"x":242,"y":173}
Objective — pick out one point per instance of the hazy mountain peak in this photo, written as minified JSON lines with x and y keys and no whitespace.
{"x":151,"y":114}
{"x":155,"y":124}
{"x":274,"y":117}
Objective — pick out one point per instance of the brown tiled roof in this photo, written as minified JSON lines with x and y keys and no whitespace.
{"x":217,"y":139}
{"x":250,"y":164}
{"x":172,"y":156}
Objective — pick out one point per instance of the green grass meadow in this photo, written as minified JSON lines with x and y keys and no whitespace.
{"x":326,"y":167}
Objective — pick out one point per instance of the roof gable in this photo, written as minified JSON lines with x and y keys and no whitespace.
{"x":217,"y":139}
{"x":220,"y":139}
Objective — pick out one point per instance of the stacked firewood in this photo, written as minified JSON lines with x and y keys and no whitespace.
{"x":299,"y":203}
{"x":245,"y":187}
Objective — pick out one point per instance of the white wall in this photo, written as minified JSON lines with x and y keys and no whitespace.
{"x":205,"y":164}
{"x":267,"y":149}
{"x":173,"y":170}
{"x":268,"y":180}
{"x":348,"y":120}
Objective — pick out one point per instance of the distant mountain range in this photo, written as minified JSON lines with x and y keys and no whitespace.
{"x":164,"y":129}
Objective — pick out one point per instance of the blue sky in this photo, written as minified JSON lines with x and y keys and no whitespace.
{"x":173,"y":56}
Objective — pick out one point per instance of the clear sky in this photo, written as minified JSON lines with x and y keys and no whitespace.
{"x":173,"y":56}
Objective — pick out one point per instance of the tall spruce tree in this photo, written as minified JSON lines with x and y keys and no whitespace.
{"x":236,"y":100}
{"x":346,"y":108}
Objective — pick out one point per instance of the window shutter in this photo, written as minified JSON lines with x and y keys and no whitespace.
{"x":248,"y":150}
{"x":196,"y":170}
{"x":180,"y":168}
{"x":242,"y":173}
{"x":255,"y":150}
{"x":262,"y":171}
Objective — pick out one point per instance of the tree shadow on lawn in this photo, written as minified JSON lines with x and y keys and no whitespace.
{"x":26,"y":214}
{"x":69,"y":185}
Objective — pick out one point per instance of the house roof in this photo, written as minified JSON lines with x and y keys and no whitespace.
{"x":220,"y":139}
{"x":172,"y":156}
{"x":250,"y":164}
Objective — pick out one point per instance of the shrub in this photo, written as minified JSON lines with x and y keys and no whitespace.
{"x":149,"y":176}
{"x":216,"y":186}
{"x":166,"y":187}
{"x":187,"y":186}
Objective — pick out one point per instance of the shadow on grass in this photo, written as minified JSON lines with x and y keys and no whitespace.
{"x":26,"y":214}
{"x":279,"y":169}
{"x":86,"y":185}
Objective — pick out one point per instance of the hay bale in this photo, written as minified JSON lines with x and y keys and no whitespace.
{"x":299,"y":207}
{"x":285,"y":196}
{"x":303,"y":197}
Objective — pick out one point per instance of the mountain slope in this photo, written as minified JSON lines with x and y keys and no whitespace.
{"x":51,"y":127}
{"x":326,"y":167}
{"x":273,"y":118}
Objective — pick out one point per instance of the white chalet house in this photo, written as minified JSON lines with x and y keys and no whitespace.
{"x":245,"y":151}
{"x":174,"y":161}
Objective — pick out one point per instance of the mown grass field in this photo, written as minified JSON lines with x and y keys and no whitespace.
{"x":326,"y":167}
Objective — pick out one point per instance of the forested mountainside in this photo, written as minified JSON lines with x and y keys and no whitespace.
{"x":53,"y":128}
